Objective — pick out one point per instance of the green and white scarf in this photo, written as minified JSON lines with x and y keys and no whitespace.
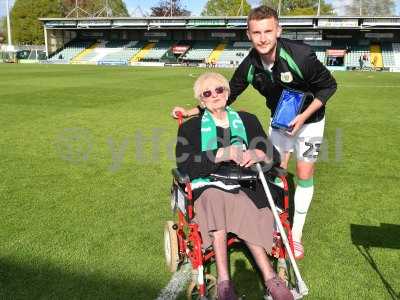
{"x":209,"y":140}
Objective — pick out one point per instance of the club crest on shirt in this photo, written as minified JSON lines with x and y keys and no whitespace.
{"x":286,"y":77}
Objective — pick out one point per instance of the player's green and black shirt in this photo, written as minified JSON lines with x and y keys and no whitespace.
{"x":296,"y":67}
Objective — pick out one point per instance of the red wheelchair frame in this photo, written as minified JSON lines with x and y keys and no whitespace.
{"x":188,"y":242}
{"x":184,"y":239}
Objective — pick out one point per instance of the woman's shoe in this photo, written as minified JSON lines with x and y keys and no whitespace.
{"x":226,"y":291}
{"x":278,"y":290}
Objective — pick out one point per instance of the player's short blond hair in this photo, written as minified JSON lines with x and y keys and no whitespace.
{"x":262,"y":12}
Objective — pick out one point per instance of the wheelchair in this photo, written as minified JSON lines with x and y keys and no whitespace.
{"x":182,"y":238}
{"x":183,"y":243}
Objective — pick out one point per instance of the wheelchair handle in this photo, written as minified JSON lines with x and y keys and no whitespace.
{"x":179,"y":114}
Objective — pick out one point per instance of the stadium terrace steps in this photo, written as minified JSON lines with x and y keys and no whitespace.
{"x":385,"y":54}
{"x":78,"y":58}
{"x":234,"y":53}
{"x":376,"y":56}
{"x":396,"y":54}
{"x":158,"y":51}
{"x":143,"y":52}
{"x":353,"y":57}
{"x":112,"y":52}
{"x":121,"y":52}
{"x":200,"y":51}
{"x":321,"y":53}
{"x":70,"y":50}
{"x":216,"y":53}
{"x":91,"y":57}
{"x":388,"y":55}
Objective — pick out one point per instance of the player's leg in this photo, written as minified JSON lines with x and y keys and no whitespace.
{"x":285,"y":146}
{"x":307,"y":149}
{"x":302,"y":199}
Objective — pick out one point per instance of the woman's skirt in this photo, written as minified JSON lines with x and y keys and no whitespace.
{"x":235,"y":213}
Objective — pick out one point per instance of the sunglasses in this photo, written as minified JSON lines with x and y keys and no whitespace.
{"x":218,"y":90}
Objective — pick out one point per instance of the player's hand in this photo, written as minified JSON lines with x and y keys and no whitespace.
{"x":253,"y":156}
{"x":177,"y":109}
{"x":296,"y":124}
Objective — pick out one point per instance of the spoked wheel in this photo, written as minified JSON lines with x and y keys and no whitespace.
{"x":282,"y":270}
{"x":171,"y":246}
{"x":192,"y":291}
{"x":285,"y":273}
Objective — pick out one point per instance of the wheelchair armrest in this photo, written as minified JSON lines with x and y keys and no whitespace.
{"x":180,"y":177}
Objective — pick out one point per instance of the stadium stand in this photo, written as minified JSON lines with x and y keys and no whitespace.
{"x":388,"y":55}
{"x":376,"y":56}
{"x":229,"y":53}
{"x":396,"y":54}
{"x":143,"y":52}
{"x":234,"y":53}
{"x":216,"y":53}
{"x":158,"y":51}
{"x":89,"y":55}
{"x":352,"y":57}
{"x":120,"y":52}
{"x":200,"y":51}
{"x":321,"y":53}
{"x":71,"y":50}
{"x":339,"y":42}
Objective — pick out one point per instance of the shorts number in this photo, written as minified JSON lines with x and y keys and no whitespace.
{"x":313,"y":150}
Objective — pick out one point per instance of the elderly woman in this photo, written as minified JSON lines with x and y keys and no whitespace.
{"x":205,"y":143}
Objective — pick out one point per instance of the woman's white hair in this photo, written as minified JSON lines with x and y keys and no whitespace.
{"x":198,"y":87}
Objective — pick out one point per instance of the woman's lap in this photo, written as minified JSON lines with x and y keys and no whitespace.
{"x":236,"y":213}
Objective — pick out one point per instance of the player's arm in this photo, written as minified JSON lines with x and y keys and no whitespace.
{"x":319,"y":78}
{"x":300,"y":119}
{"x":238,"y":82}
{"x":321,"y":83}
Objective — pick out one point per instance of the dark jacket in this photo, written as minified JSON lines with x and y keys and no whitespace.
{"x":294,"y":60}
{"x":196,"y":163}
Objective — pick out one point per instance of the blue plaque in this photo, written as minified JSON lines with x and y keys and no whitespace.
{"x":289,"y":106}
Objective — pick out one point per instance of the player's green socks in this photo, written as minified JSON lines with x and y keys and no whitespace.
{"x":302,"y":200}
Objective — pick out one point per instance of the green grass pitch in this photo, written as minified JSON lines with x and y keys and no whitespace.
{"x":85,"y":177}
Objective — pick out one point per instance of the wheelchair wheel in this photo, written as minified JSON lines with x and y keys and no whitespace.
{"x":171,"y":246}
{"x":282,"y":270}
{"x":192,"y":291}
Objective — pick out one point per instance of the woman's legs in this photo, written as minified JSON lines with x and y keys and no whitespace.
{"x":275,"y":286}
{"x":262,"y":260}
{"x":225,"y":286}
{"x":221,"y":254}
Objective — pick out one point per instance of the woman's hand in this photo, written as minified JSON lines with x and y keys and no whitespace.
{"x":234,"y":153}
{"x":185,"y":113}
{"x":250,"y":157}
{"x":178,"y":109}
